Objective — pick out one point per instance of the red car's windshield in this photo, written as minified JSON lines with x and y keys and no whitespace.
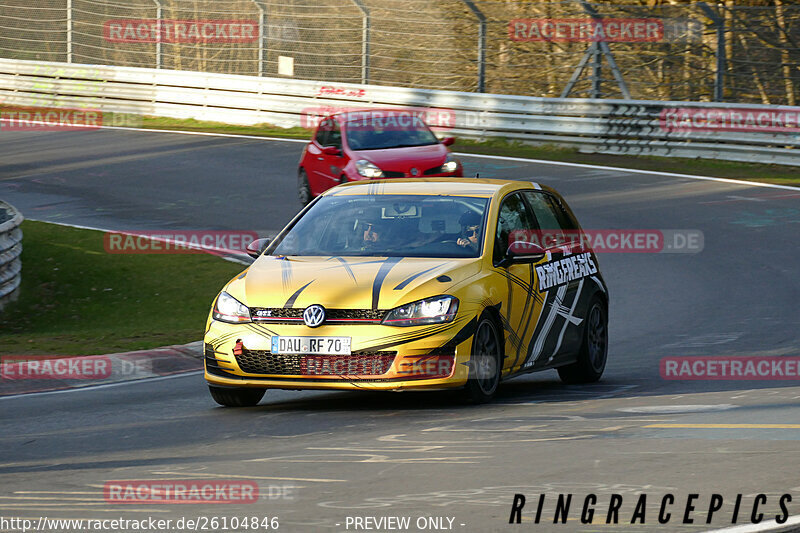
{"x":390,"y":131}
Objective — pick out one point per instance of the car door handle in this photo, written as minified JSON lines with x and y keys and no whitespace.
{"x":320,"y":159}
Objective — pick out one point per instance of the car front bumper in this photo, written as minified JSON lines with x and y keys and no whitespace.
{"x":383,"y":357}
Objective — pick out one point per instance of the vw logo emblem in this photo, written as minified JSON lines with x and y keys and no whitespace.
{"x":314,"y":316}
{"x":415,"y":171}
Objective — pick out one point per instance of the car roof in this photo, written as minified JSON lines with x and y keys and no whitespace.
{"x":355,"y":114}
{"x":477,"y":187}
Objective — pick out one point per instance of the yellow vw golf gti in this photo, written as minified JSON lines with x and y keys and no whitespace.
{"x":412,"y":284}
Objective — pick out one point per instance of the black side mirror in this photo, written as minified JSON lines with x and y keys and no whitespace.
{"x":522,"y":252}
{"x":257,"y":247}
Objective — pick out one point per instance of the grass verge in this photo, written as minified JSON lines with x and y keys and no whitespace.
{"x":76,"y":299}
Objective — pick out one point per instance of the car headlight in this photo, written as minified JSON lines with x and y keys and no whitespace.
{"x":450,"y":165}
{"x":436,"y":310}
{"x":229,"y":309}
{"x":368,"y":169}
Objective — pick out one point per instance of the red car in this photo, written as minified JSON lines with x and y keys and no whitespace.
{"x":372,"y":144}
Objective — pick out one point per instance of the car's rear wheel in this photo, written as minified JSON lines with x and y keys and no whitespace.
{"x":594,"y":348}
{"x":236,"y":397}
{"x":486,"y":361}
{"x":303,"y":188}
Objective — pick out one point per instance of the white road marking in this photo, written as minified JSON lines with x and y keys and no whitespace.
{"x":769,"y":525}
{"x":634,"y":171}
{"x":673,"y":409}
{"x":103,"y":386}
{"x":483,"y":156}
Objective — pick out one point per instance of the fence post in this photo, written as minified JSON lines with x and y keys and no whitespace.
{"x":69,"y":31}
{"x":719,"y":22}
{"x":159,"y":18}
{"x":366,"y":25}
{"x":481,"y":44}
{"x":262,"y":36}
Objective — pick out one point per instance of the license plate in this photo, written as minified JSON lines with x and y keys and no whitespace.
{"x":311,"y":345}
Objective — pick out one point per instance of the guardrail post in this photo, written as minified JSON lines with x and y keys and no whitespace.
{"x":719,"y":22}
{"x":262,"y":36}
{"x":159,"y":18}
{"x":366,"y":26}
{"x":69,"y":31}
{"x":481,"y":44}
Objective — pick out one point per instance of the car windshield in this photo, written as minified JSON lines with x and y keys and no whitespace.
{"x":387,"y":226}
{"x":379,"y":132}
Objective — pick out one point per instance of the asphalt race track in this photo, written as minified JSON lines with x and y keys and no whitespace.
{"x":323,"y":459}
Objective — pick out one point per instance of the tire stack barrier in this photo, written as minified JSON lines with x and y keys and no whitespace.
{"x":10,"y":253}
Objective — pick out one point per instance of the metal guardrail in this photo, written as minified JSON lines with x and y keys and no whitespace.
{"x":755,"y":133}
{"x":10,"y":252}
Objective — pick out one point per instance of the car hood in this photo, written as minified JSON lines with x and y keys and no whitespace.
{"x":403,"y":159}
{"x":347,"y":282}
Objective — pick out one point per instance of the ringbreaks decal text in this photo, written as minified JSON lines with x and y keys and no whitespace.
{"x":565,"y":270}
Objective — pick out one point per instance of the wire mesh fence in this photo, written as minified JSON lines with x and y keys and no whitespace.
{"x":648,"y":50}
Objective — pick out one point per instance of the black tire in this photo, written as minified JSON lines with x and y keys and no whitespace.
{"x":236,"y":397}
{"x":594,"y":348}
{"x":485,"y":365}
{"x":303,"y":188}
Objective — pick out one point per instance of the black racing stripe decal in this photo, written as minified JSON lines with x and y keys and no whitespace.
{"x":463,"y":334}
{"x":402,"y":284}
{"x":222,"y":338}
{"x":526,"y":313}
{"x":420,"y":336}
{"x":404,"y":338}
{"x":261,"y":330}
{"x":346,"y":267}
{"x":380,"y":276}
{"x":290,"y":302}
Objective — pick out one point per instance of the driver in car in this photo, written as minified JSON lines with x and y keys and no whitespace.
{"x":470,"y":230}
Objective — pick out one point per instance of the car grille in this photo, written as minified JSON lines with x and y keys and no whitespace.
{"x":358,"y":363}
{"x":393,"y":174}
{"x":281,"y":315}
{"x":432,"y":171}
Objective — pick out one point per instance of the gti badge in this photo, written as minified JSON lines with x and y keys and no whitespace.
{"x":314,"y":316}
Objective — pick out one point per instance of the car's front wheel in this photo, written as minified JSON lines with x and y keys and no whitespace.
{"x":485,"y":364}
{"x":303,"y":188}
{"x":236,"y":397}
{"x":594,"y":348}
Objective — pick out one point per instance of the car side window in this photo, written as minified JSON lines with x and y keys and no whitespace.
{"x":557,"y":226}
{"x":514,"y":216}
{"x":335,"y":135}
{"x":323,"y":132}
